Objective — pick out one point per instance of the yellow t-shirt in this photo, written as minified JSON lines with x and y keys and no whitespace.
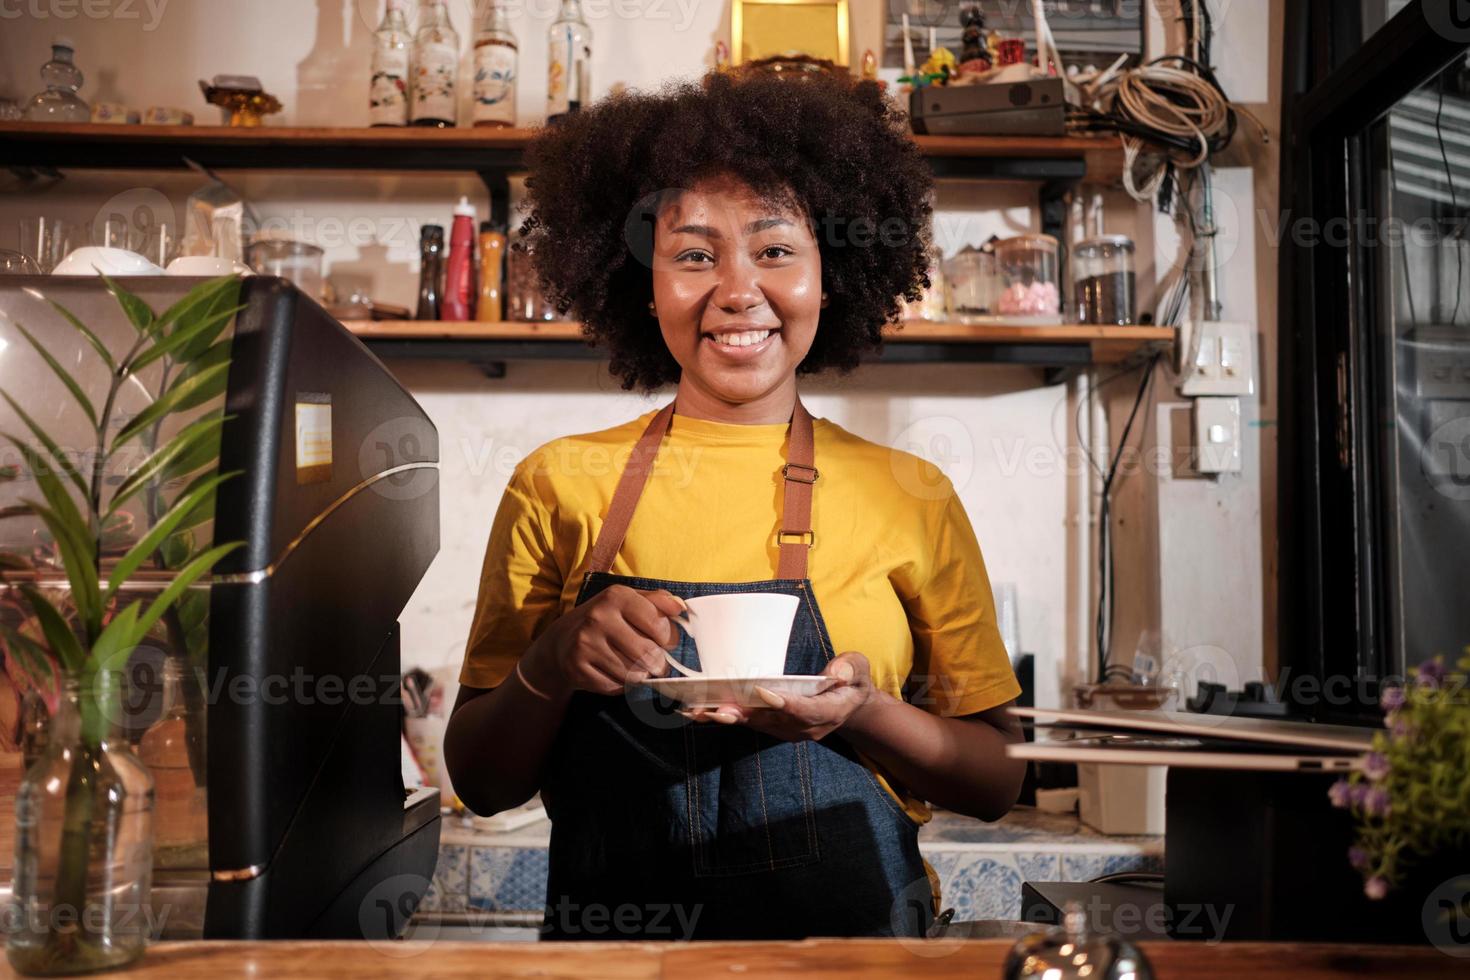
{"x":895,"y":567}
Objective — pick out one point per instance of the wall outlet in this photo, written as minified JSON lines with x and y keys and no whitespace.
{"x":1217,"y":434}
{"x":1224,"y":360}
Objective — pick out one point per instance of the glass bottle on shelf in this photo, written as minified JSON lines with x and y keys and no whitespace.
{"x":496,"y":57}
{"x":388,"y":91}
{"x":180,"y":806}
{"x":60,"y":102}
{"x":569,"y":62}
{"x":431,"y":271}
{"x":435,"y":66}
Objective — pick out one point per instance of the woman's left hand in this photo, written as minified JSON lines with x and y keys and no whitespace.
{"x":796,"y":719}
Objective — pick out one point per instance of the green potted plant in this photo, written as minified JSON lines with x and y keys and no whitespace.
{"x":84,"y":846}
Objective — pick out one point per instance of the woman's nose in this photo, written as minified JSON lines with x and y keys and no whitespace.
{"x":738,"y":290}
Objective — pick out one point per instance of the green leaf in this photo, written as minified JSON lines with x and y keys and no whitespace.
{"x":139,"y":314}
{"x":78,"y":560}
{"x":177,"y":398}
{"x":111,"y":651}
{"x":207,"y":391}
{"x":174,"y":343}
{"x":62,"y":460}
{"x":177,"y":550}
{"x":227,"y":298}
{"x":165,"y":526}
{"x":184,"y":440}
{"x":201,"y":299}
{"x":10,"y":472}
{"x":52,"y":489}
{"x":204,"y":452}
{"x":64,"y":642}
{"x":186,"y":577}
{"x":193,"y":610}
{"x":85,"y":331}
{"x":217,"y":354}
{"x":63,"y":374}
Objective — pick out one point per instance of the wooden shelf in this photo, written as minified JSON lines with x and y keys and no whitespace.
{"x":478,"y":149}
{"x":1063,"y":349}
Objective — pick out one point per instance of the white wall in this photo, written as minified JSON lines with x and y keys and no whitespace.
{"x":1004,"y":440}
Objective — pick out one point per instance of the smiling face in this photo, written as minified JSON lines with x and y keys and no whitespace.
{"x":737,"y":284}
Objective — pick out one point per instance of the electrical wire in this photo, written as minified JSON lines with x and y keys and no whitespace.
{"x":1106,"y":604}
{"x":1172,"y":107}
{"x":1454,"y":203}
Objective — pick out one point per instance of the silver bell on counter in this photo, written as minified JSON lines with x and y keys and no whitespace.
{"x":1067,"y":951}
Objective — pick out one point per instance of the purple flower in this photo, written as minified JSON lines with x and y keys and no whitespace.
{"x":1340,"y":794}
{"x":1375,"y":802}
{"x":1430,"y":672}
{"x":1400,"y":727}
{"x":1375,"y":766}
{"x":1375,"y":888}
{"x":1357,"y":792}
{"x":1392,"y":698}
{"x":1358,"y":858}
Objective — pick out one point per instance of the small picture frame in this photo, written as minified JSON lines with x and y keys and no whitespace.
{"x":776,"y":28}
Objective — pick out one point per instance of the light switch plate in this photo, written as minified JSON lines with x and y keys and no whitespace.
{"x":1224,"y":360}
{"x":1217,"y":434}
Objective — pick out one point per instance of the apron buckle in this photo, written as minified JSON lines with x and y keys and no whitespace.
{"x":808,"y":538}
{"x":786,"y":473}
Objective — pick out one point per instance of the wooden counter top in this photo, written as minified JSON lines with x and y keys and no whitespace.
{"x":811,"y":960}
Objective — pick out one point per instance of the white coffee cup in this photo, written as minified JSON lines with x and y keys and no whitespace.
{"x":738,"y":634}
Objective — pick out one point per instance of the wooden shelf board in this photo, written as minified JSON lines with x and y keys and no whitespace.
{"x":911,"y":331}
{"x":389,"y":148}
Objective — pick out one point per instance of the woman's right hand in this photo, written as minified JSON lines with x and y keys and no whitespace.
{"x":617,"y":637}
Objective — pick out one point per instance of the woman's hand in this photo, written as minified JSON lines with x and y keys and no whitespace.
{"x":615,"y":638}
{"x":795,"y":719}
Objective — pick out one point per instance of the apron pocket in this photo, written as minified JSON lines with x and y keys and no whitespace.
{"x":750,"y":801}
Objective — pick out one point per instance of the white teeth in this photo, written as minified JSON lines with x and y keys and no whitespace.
{"x":744,"y":339}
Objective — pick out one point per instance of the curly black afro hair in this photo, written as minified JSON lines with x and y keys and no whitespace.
{"x":836,"y":151}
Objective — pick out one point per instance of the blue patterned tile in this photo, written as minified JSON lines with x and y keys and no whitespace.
{"x":981,"y":886}
{"x":505,"y":878}
{"x":450,"y":885}
{"x":1086,"y":867}
{"x":1038,"y":866}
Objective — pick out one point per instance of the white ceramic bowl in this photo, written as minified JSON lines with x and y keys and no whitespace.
{"x":92,"y":259}
{"x":205,"y":265}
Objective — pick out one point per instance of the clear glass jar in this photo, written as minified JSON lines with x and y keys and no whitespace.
{"x":523,"y":297}
{"x":83,"y":842}
{"x":168,"y":749}
{"x":1103,"y":281}
{"x":1028,"y":267}
{"x":59,"y":102}
{"x":931,"y":305}
{"x":973,"y":285}
{"x":298,"y":262}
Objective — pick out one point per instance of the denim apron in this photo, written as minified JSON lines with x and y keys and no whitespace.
{"x":668,"y":829}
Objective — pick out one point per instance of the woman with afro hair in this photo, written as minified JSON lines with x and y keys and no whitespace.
{"x":725,"y":238}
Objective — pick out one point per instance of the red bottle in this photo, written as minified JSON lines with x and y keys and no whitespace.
{"x":459,"y":277}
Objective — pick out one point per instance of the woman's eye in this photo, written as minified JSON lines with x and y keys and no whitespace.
{"x":694,"y":256}
{"x":775,"y":252}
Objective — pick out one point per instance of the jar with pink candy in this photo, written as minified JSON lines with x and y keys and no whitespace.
{"x":1029,"y":272}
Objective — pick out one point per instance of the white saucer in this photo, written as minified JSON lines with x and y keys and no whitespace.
{"x":711,"y":692}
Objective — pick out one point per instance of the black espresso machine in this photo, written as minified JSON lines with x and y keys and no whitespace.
{"x":301,"y":825}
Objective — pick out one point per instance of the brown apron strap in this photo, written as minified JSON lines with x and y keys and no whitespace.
{"x":795,"y":536}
